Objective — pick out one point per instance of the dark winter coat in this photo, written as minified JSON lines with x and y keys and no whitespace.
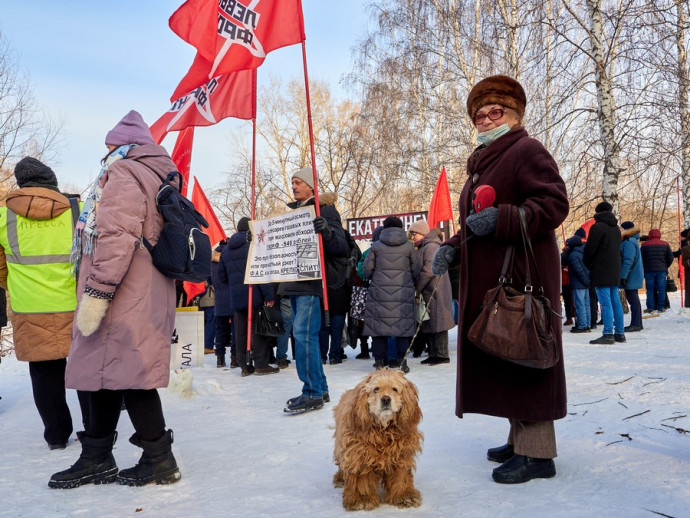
{"x":335,"y":251}
{"x":657,"y":255}
{"x":578,"y":272}
{"x":524,"y":174}
{"x":631,"y":259}
{"x":223,"y":306}
{"x":392,"y":268}
{"x":440,"y":307}
{"x":603,"y":251}
{"x":231,"y":268}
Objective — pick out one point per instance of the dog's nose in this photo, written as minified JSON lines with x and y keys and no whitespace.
{"x":386,"y":401}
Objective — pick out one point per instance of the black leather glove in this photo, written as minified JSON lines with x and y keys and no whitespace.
{"x":623,"y":283}
{"x":321,"y":226}
{"x":249,"y":236}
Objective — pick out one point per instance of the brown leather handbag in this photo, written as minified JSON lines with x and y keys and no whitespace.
{"x":513,"y":325}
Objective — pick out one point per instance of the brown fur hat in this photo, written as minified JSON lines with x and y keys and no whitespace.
{"x":502,"y":90}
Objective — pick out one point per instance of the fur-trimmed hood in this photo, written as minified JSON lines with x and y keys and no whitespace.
{"x":625,"y":234}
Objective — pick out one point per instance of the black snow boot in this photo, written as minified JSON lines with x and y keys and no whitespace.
{"x":95,"y":464}
{"x":157,"y":463}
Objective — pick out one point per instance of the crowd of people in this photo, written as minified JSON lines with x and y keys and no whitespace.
{"x":606,"y":267}
{"x":91,"y":312}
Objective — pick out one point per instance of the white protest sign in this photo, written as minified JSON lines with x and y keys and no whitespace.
{"x":284,"y":248}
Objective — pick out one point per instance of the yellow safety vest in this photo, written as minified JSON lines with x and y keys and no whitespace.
{"x":37,"y":254}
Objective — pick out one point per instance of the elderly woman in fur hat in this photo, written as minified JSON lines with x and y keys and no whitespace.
{"x":524,"y":176}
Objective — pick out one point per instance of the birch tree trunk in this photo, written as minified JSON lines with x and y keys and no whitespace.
{"x":606,"y":110}
{"x":683,"y":87}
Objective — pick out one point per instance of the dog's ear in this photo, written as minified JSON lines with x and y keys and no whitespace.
{"x":360,"y":412}
{"x":410,"y":413}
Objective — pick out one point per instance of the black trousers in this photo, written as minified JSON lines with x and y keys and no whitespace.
{"x":260,"y":353}
{"x":143,"y":406}
{"x":48,"y":384}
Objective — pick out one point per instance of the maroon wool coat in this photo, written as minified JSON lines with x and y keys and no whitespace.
{"x":524,"y":174}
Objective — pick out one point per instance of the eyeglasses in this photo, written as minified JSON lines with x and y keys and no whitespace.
{"x":493,"y":115}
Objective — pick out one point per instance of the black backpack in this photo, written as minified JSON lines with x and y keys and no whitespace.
{"x":183,"y":251}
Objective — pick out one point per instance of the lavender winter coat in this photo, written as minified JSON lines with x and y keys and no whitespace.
{"x":131,"y":348}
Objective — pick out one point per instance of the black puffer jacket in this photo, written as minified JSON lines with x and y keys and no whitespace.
{"x":602,"y":254}
{"x":335,"y":251}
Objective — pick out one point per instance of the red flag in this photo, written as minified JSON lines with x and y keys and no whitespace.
{"x":192,"y":289}
{"x":182,"y":155}
{"x":231,"y":95}
{"x":440,"y":208}
{"x":234,"y":35}
{"x":215,"y":230}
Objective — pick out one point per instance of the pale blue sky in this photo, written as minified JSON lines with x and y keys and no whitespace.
{"x":90,"y":62}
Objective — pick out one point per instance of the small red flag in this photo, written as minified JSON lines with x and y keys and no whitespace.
{"x":234,"y":35}
{"x":215,"y":230}
{"x":231,"y":95}
{"x":182,"y":155}
{"x":440,"y":208}
{"x":192,"y":289}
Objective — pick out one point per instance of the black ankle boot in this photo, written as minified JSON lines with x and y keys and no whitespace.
{"x":157,"y":463}
{"x":95,"y":464}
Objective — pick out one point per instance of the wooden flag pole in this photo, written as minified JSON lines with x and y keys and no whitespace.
{"x":316,"y":187}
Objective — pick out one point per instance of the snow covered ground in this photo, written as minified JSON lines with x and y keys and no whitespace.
{"x":624,"y":447}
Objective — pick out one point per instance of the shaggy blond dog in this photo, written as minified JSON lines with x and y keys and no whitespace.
{"x":376,"y":441}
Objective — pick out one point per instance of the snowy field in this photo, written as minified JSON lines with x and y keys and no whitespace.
{"x":624,"y":447}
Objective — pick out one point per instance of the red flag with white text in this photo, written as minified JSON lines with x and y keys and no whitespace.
{"x":182,"y":155}
{"x":234,"y":35}
{"x":230,"y":95}
{"x":215,"y":230}
{"x":440,"y":208}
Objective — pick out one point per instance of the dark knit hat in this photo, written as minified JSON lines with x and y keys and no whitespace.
{"x":502,"y":90}
{"x":685,"y":233}
{"x":626,"y":225}
{"x":581,"y":232}
{"x":130,"y":130}
{"x":604,"y":206}
{"x":243,"y":225}
{"x":30,"y":172}
{"x":392,"y":221}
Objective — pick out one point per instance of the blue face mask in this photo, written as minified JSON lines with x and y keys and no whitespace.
{"x":487,"y":137}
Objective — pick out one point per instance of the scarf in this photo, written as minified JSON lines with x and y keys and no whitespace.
{"x":85,"y":231}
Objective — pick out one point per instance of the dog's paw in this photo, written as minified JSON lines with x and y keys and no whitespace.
{"x":338,"y":479}
{"x":412,"y":498}
{"x":361,"y":503}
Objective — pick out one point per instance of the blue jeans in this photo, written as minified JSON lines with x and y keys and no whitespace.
{"x":306,"y":323}
{"x":335,"y":333}
{"x":286,"y":311}
{"x":582,"y":310}
{"x":390,"y":348}
{"x":655,"y":283}
{"x":611,"y":310}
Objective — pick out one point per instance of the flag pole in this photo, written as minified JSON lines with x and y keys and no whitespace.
{"x":681,"y":269}
{"x":324,"y":284}
{"x":252,"y":214}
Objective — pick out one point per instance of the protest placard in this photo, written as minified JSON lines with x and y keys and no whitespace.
{"x":284,"y":248}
